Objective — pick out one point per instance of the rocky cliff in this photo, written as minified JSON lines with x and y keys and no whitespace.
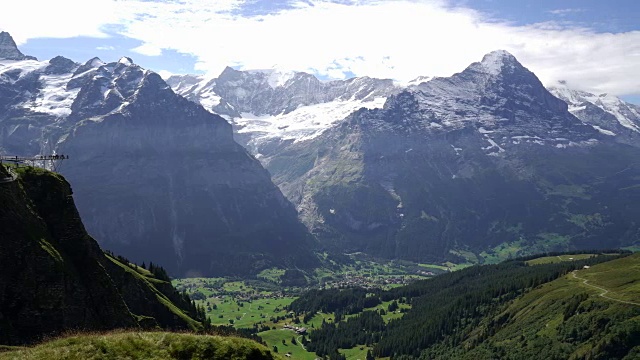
{"x":9,"y":50}
{"x":54,"y":277}
{"x":159,"y":177}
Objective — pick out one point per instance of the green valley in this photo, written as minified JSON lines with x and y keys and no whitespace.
{"x":464,"y":310}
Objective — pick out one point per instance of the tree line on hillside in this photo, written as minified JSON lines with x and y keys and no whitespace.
{"x":183,"y":301}
{"x":364,"y":328}
{"x":342,"y":302}
{"x":441,"y":307}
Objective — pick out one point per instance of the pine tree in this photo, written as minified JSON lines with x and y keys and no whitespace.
{"x":369,"y":355}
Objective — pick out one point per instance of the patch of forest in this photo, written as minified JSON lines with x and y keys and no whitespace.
{"x":444,"y":310}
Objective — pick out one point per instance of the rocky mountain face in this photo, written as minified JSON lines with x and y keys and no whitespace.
{"x":484,"y":163}
{"x":54,"y":277}
{"x":156,"y":177}
{"x":441,"y":167}
{"x":9,"y":50}
{"x":607,"y":113}
{"x":270,"y":109}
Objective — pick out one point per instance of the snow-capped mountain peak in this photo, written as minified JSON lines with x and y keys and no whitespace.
{"x":498,"y":98}
{"x":125,"y":61}
{"x":270,"y":108}
{"x":274,"y":77}
{"x":108,"y":87}
{"x":60,"y":65}
{"x":494,"y":62}
{"x":93,"y":63}
{"x":604,"y":111}
{"x":571,"y":96}
{"x":273,"y":105}
{"x":417,"y":81}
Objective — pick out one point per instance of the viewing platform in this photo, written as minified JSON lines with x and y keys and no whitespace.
{"x":50,"y":162}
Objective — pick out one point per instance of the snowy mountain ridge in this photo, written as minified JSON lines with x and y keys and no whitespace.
{"x":268,"y":107}
{"x":55,"y":92}
{"x":155,"y":176}
{"x":503,"y":101}
{"x":607,"y":113}
{"x":487,"y":156}
{"x":273,"y":106}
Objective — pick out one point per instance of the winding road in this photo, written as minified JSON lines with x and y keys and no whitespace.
{"x":604,"y":291}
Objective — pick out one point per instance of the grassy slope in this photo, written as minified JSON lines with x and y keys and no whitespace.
{"x":559,"y":258}
{"x":540,"y":323}
{"x":249,"y":313}
{"x":47,"y":260}
{"x":357,"y":353}
{"x":275,"y":337}
{"x":61,"y":264}
{"x":620,"y":277}
{"x":144,"y":345}
{"x":150,"y":281}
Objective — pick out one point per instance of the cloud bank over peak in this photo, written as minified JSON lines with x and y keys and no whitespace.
{"x":398,"y":39}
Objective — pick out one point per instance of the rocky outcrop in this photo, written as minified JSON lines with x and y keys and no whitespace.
{"x":9,"y":49}
{"x":51,"y":278}
{"x":54,"y":277}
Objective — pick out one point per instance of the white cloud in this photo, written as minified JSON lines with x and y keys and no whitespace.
{"x":165,"y":74}
{"x":28,"y":19}
{"x":563,"y":12}
{"x":148,"y":49}
{"x":105,"y":48}
{"x":399,"y":39}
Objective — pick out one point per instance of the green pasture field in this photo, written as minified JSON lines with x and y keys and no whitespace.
{"x":244,"y":314}
{"x":275,"y":338}
{"x":357,"y":353}
{"x":560,"y":258}
{"x":619,"y":277}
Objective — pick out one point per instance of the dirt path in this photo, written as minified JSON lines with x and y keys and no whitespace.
{"x":298,"y":340}
{"x":604,"y":291}
{"x":246,"y":313}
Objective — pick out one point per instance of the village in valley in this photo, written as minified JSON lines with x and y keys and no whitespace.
{"x":260,"y":304}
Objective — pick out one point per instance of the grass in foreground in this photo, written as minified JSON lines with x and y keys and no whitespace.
{"x":144,"y":345}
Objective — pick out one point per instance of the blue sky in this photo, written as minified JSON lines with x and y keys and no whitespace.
{"x":593,"y":45}
{"x":604,"y":16}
